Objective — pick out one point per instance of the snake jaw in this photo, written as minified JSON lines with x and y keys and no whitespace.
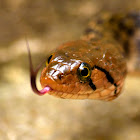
{"x":45,"y":90}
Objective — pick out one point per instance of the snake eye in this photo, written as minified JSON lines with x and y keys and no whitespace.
{"x":84,"y":72}
{"x":49,"y":58}
{"x":48,"y":61}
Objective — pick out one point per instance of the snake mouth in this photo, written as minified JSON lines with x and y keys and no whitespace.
{"x":45,"y":90}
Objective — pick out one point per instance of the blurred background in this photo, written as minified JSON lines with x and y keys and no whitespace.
{"x":26,"y":116}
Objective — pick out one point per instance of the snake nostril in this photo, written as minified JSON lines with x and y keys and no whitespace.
{"x":60,"y":76}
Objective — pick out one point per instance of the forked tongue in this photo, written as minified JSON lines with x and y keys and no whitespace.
{"x":33,"y":75}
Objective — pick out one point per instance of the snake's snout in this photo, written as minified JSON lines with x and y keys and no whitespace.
{"x":50,"y":80}
{"x":66,"y":85}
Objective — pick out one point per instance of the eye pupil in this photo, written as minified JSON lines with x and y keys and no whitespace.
{"x":84,"y":72}
{"x":49,"y":59}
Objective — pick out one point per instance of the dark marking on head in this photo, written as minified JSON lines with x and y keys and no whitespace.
{"x":108,"y":76}
{"x":115,"y":92}
{"x":91,"y":84}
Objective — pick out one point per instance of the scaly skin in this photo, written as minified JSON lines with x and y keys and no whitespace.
{"x":61,"y":73}
{"x":104,"y":48}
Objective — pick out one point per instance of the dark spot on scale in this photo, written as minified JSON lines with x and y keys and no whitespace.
{"x":125,"y":28}
{"x":121,"y":26}
{"x":97,"y":48}
{"x":130,"y":31}
{"x":89,"y":30}
{"x":112,"y":19}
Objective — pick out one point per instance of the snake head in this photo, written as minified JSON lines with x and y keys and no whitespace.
{"x":61,"y":76}
{"x":65,"y":72}
{"x":81,"y":70}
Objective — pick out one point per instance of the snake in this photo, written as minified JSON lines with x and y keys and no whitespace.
{"x":94,"y":66}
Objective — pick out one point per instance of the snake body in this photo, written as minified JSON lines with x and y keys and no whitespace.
{"x":95,"y":66}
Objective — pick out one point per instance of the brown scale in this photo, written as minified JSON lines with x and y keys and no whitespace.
{"x":93,"y":67}
{"x":125,"y":28}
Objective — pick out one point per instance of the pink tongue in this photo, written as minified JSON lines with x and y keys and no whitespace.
{"x":44,"y":90}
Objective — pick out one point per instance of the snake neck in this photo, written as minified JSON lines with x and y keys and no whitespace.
{"x":120,"y":28}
